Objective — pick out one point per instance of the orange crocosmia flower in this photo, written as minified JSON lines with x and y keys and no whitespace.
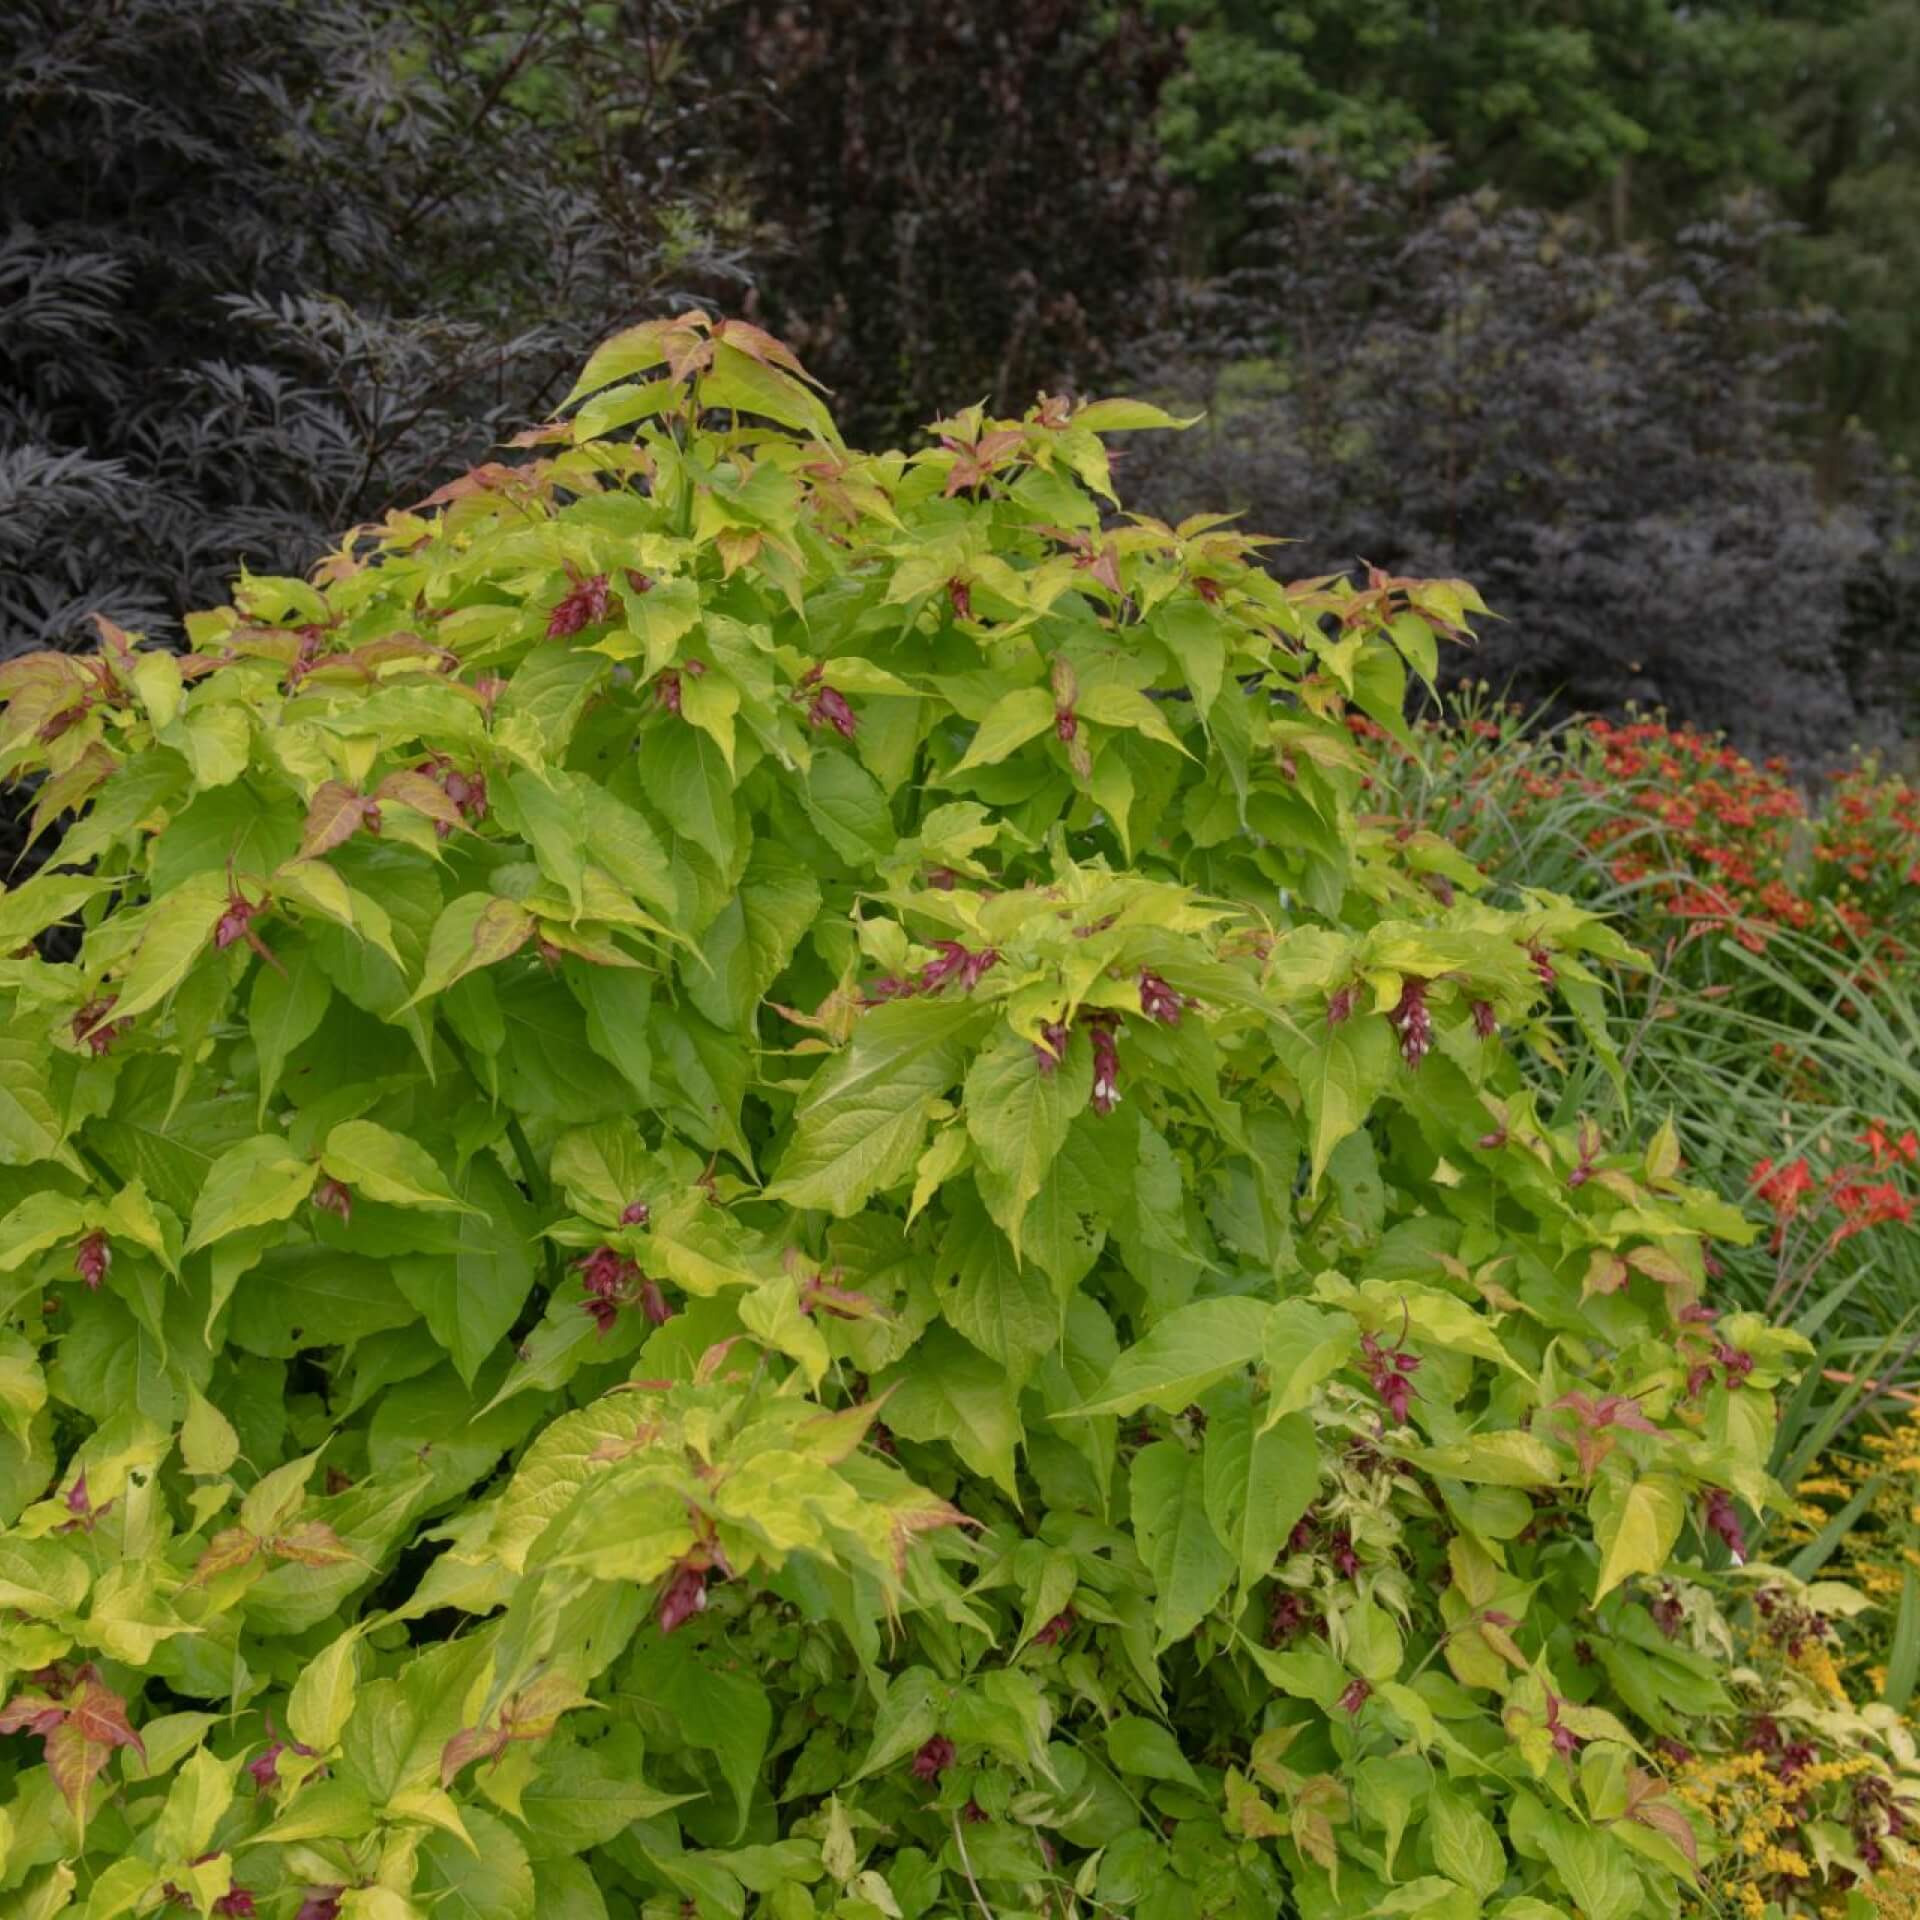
{"x":1784,"y":1188}
{"x":1885,"y":1149}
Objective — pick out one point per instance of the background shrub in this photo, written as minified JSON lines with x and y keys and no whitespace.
{"x":263,"y":269}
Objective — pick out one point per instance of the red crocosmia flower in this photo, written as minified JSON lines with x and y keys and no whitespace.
{"x":1886,"y":1150}
{"x":933,"y":1759}
{"x":1783,"y":1188}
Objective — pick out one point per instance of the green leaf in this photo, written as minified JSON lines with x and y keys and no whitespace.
{"x":748,"y":947}
{"x":388,"y":1166}
{"x":948,"y":1390}
{"x":323,"y":1695}
{"x":179,"y":929}
{"x":1465,"y":1846}
{"x":1012,"y":720}
{"x":1341,"y":1071}
{"x":1183,"y":1355}
{"x":859,"y":1127}
{"x":714,"y":1707}
{"x":1146,"y":1748}
{"x":1301,"y":1347}
{"x":583,"y":1797}
{"x":1903,"y":1655}
{"x":1019,"y":1113}
{"x":1196,"y":637}
{"x":472,"y":1297}
{"x":1502,"y":1459}
{"x":251,"y":1184}
{"x":476,"y":930}
{"x":1006,"y":1308}
{"x":1191,"y":1567}
{"x":491,"y":1880}
{"x":1635,"y":1524}
{"x":1257,"y":1484}
{"x":284,"y":1011}
{"x":737,"y":380}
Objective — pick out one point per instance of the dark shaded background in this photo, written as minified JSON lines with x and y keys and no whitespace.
{"x":1609,"y":307}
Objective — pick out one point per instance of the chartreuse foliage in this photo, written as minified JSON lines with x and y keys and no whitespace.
{"x":758,"y":1193}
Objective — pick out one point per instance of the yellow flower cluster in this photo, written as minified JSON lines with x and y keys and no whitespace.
{"x":1744,"y":1798}
{"x":1813,"y":1659}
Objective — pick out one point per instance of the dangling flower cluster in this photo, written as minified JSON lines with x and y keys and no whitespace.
{"x":933,"y":1759}
{"x":1724,"y":1522}
{"x":1566,"y":1743}
{"x":584,"y":604}
{"x":1484,"y":1023}
{"x":91,"y":1259}
{"x":262,"y":1765}
{"x":1542,"y":964}
{"x":79,"y":1502}
{"x":685,"y":1591}
{"x":1158,"y":1001}
{"x":1106,"y":1063}
{"x":1051,"y":1048}
{"x":93,"y":1030}
{"x":1340,"y":1005}
{"x":957,"y":963}
{"x":612,"y":1282}
{"x":467,"y":791}
{"x":235,"y":1904}
{"x":1287,"y":1613}
{"x":828,"y":706}
{"x":1390,"y":1373}
{"x":1056,"y":1629}
{"x":1413,"y":1022}
{"x":334,"y":1196}
{"x":960,"y":598}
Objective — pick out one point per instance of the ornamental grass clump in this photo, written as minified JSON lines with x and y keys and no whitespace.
{"x":738,"y":1179}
